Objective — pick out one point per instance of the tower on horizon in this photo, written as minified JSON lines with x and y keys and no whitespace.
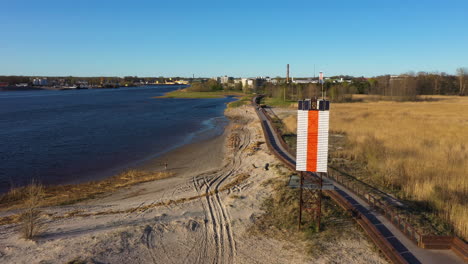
{"x":287,"y":73}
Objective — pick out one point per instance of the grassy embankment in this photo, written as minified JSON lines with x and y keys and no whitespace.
{"x":277,"y":102}
{"x":415,"y":150}
{"x":243,"y":99}
{"x":186,"y":93}
{"x":72,"y":193}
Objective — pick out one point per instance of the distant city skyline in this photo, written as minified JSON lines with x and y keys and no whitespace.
{"x":241,"y":39}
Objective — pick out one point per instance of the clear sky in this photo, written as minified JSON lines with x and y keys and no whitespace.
{"x":235,"y":38}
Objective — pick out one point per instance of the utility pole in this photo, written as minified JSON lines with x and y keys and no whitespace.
{"x":287,"y":82}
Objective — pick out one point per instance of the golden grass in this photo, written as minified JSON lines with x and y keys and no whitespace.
{"x":290,"y":124}
{"x":238,"y":179}
{"x":417,"y":149}
{"x":67,"y":194}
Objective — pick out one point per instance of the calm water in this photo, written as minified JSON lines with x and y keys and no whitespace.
{"x":74,"y":136}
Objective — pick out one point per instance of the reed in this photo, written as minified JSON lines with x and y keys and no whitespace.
{"x":418,"y":150}
{"x":68,"y":194}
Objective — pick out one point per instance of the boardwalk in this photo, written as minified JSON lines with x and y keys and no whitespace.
{"x":408,"y":251}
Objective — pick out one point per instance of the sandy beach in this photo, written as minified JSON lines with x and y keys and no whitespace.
{"x":200,"y":215}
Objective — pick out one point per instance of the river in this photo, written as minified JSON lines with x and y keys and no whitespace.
{"x":61,"y":137}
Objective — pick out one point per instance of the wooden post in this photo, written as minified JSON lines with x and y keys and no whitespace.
{"x":320,"y":203}
{"x":300,"y":201}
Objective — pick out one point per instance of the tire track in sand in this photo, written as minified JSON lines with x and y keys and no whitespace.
{"x":219,"y":226}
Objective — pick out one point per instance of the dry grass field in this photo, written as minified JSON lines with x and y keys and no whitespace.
{"x":67,"y":194}
{"x":419,"y":150}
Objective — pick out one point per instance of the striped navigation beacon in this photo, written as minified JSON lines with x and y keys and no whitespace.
{"x":312,"y":135}
{"x":312,"y":157}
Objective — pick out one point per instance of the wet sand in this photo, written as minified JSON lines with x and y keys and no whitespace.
{"x":192,"y":158}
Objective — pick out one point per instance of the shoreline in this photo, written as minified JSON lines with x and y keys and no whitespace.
{"x":49,"y":88}
{"x":116,"y":159}
{"x":149,"y":163}
{"x":179,"y":157}
{"x":200,"y":155}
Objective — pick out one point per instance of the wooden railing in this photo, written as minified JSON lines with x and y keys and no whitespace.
{"x":372,"y":197}
{"x":399,"y":220}
{"x":387,"y":249}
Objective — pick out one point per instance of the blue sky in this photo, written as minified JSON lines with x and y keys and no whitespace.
{"x":236,"y":38}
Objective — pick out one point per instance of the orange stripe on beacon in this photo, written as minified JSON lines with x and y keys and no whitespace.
{"x":312,"y":135}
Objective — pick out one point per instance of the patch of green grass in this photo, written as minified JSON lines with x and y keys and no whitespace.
{"x":245,"y":100}
{"x":184,"y":93}
{"x":291,"y":141}
{"x":277,"y":102}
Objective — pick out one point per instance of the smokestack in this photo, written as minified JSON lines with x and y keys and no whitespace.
{"x":287,"y":73}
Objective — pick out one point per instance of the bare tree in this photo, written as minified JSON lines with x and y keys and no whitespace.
{"x":462,"y":72}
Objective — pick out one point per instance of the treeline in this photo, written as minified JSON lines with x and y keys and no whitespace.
{"x":213,"y":85}
{"x":402,"y":87}
{"x":12,"y":80}
{"x":68,"y":79}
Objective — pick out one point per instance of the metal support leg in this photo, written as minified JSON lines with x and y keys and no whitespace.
{"x":300,"y":201}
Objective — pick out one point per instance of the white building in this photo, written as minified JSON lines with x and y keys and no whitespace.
{"x":40,"y":81}
{"x":225,"y":79}
{"x":302,"y":81}
{"x":247,"y":83}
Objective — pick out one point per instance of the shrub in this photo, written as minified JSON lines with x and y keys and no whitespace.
{"x":31,"y":224}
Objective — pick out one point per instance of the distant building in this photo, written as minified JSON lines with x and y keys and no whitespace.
{"x":3,"y":84}
{"x":40,"y":81}
{"x":253,"y":82}
{"x":271,"y":80}
{"x":182,"y":82}
{"x":247,"y":83}
{"x":225,"y":79}
{"x":259,"y":81}
{"x":303,"y":81}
